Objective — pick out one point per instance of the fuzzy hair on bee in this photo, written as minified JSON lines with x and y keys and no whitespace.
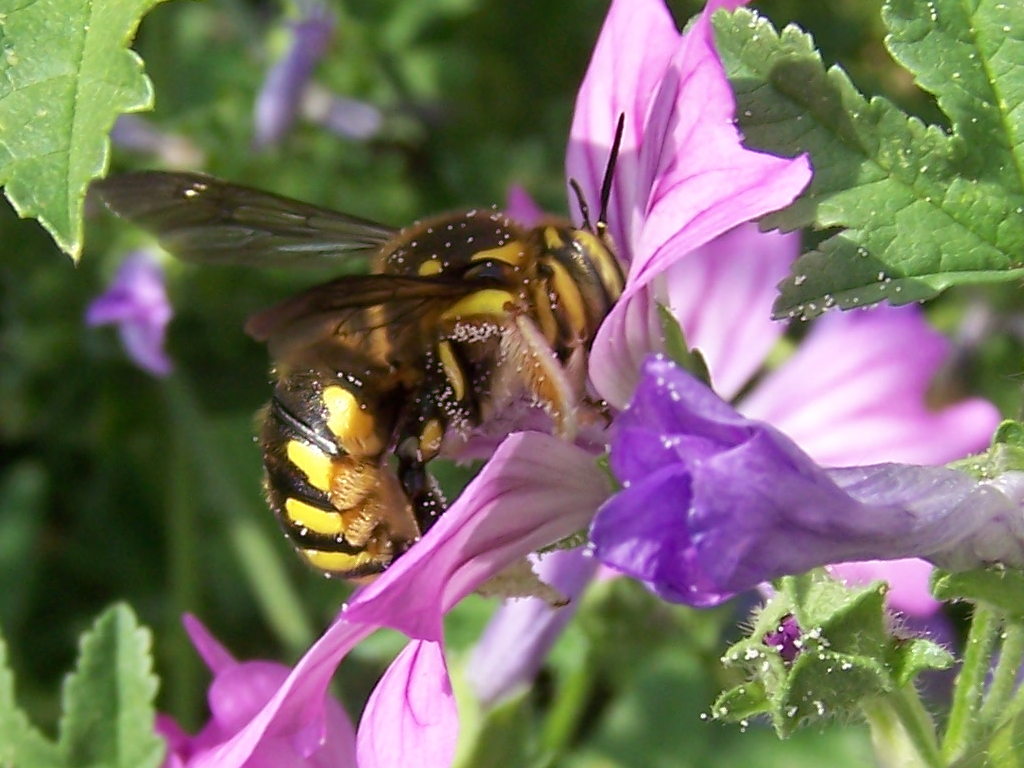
{"x":460,"y":315}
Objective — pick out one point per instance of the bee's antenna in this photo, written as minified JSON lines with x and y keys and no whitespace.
{"x":584,"y":209}
{"x":606,"y":184}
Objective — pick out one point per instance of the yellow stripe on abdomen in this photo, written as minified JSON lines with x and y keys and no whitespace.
{"x":312,"y":519}
{"x":314,"y":464}
{"x":342,"y":562}
{"x":351,"y":424}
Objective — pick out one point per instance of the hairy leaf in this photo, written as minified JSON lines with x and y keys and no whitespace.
{"x":65,"y":76}
{"x":108,"y":700}
{"x":917,"y":208}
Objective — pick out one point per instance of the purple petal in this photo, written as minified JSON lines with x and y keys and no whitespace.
{"x":410,"y":718}
{"x":279,"y":99}
{"x":534,"y":491}
{"x":717,"y":503}
{"x":346,"y":117}
{"x":721,"y":294}
{"x":522,"y":631}
{"x":136,"y":301}
{"x":856,"y":391}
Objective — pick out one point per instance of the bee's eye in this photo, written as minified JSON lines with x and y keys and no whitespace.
{"x":489,"y":269}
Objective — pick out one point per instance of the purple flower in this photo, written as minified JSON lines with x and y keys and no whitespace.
{"x":535,"y":490}
{"x":681,"y":173}
{"x":682,"y":181}
{"x":136,"y":301}
{"x":283,"y":89}
{"x":786,"y":639}
{"x":714,"y":503}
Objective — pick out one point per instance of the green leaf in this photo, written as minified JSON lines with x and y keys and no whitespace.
{"x":65,"y":76}
{"x":845,"y":654}
{"x":108,"y":715}
{"x":1005,"y":454}
{"x":690,"y":360}
{"x":918,"y":209}
{"x":998,"y":587}
{"x":20,"y":743}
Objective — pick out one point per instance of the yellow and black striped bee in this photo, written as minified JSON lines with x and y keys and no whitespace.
{"x":460,"y":315}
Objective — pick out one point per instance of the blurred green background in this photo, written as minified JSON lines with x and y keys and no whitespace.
{"x":116,"y":485}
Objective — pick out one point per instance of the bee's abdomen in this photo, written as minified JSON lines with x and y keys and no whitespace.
{"x":336,"y":498}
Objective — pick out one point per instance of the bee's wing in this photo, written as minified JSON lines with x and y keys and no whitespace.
{"x":354,"y":306}
{"x":200,"y":218}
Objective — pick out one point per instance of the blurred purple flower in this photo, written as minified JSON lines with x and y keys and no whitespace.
{"x":343,"y":116}
{"x":535,"y":490}
{"x":714,"y":503}
{"x":136,"y":301}
{"x":283,"y":88}
{"x":137,"y":134}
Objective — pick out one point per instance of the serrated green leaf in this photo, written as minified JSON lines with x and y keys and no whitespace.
{"x":65,"y":76}
{"x":20,"y":743}
{"x":108,"y":718}
{"x":919,"y":210}
{"x":918,"y":655}
{"x":1000,"y":588}
{"x":824,"y":684}
{"x":741,"y":703}
{"x":1010,"y":433}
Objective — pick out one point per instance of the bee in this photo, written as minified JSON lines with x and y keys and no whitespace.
{"x":460,"y":315}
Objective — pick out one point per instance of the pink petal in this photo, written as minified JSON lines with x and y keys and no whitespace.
{"x":296,"y":704}
{"x":701,"y":180}
{"x":410,"y":718}
{"x":635,"y":45}
{"x":521,"y":207}
{"x":215,"y":655}
{"x":522,"y":631}
{"x":908,"y":580}
{"x":855,"y":393}
{"x":721,"y":294}
{"x":534,"y":491}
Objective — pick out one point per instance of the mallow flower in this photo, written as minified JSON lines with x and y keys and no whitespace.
{"x":683,"y":179}
{"x":854,"y":391}
{"x":136,"y":302}
{"x":714,"y":502}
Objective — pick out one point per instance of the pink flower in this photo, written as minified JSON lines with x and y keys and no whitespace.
{"x":136,"y":301}
{"x":721,"y":291}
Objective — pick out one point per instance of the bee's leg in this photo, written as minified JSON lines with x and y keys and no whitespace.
{"x":528,"y":363}
{"x":418,"y":439}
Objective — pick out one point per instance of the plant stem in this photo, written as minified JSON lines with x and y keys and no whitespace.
{"x":902,"y":731}
{"x":1004,"y":678}
{"x":970,"y":683}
